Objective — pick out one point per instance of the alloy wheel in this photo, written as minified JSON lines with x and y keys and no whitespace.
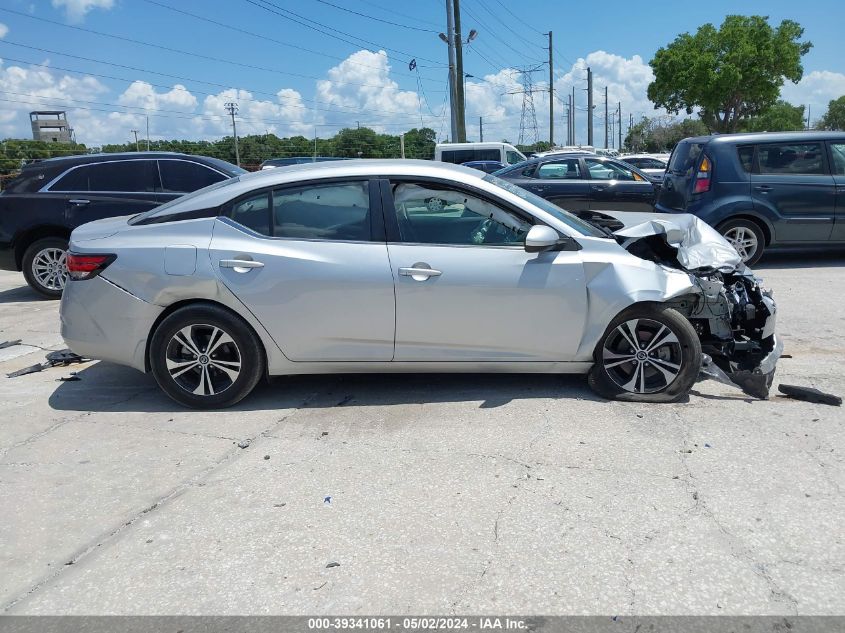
{"x":203,"y":359}
{"x":743,"y":240}
{"x":49,"y":268}
{"x":642,"y":356}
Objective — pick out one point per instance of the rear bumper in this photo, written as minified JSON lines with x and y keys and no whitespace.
{"x":102,"y":321}
{"x":7,"y":257}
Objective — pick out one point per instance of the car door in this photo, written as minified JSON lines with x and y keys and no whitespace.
{"x":614,"y":187}
{"x":794,"y":185}
{"x":310,"y":262}
{"x":837,"y":166}
{"x":108,"y":189}
{"x":560,"y":181}
{"x":466,"y":289}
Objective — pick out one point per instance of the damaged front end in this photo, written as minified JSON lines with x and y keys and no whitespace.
{"x":732,"y":314}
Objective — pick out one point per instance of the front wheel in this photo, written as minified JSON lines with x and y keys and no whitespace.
{"x":204,"y":357}
{"x":44,"y":266}
{"x":649,"y":353}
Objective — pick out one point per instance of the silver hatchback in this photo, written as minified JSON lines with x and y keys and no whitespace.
{"x":409,"y":266}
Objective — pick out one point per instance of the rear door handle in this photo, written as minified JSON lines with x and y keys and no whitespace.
{"x":419,"y":272}
{"x":79,"y":202}
{"x":240,"y":265}
{"x":599,"y":187}
{"x":763,"y":188}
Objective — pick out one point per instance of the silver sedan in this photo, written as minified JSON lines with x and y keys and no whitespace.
{"x":410,"y":266}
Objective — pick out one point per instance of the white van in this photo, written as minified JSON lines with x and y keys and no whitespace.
{"x":459,"y":153}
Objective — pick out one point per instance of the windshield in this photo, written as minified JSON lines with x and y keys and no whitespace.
{"x":552,"y":209}
{"x":164,"y":209}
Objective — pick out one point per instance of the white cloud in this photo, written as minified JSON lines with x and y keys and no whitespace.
{"x":286,"y":116}
{"x":3,"y":30}
{"x":76,"y":10}
{"x":817,"y":89}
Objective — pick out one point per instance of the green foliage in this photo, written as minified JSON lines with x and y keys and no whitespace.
{"x":730,"y":74}
{"x":781,"y":117}
{"x":834,"y":118}
{"x":16,"y":152}
{"x":658,"y":135}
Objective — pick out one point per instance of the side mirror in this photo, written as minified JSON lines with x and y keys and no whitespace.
{"x":541,"y":238}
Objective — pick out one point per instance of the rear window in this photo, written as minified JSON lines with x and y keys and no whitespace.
{"x":685,"y":157}
{"x":790,"y":158}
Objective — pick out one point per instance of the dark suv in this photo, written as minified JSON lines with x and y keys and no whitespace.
{"x":581,"y":182}
{"x":50,"y":198}
{"x":761,"y":190}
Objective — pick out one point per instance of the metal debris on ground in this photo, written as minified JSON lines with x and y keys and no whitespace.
{"x":6,"y":344}
{"x":809,"y":394}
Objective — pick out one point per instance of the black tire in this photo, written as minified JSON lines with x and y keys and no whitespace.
{"x":615,"y":366}
{"x":204,"y":380}
{"x":50,"y":277}
{"x":733,"y":229}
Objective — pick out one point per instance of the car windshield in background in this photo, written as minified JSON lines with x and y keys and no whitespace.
{"x":549,"y":207}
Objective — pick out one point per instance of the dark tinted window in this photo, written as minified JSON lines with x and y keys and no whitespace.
{"x":790,"y":158}
{"x":645,"y":163}
{"x":746,"y":157}
{"x":685,"y":157}
{"x":324,"y":212}
{"x":459,"y":156}
{"x":74,"y":180}
{"x":181,"y":176}
{"x":838,"y":151}
{"x":569,"y":169}
{"x":126,"y":176}
{"x":253,"y":213}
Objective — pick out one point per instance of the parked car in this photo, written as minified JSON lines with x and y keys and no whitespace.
{"x":40,"y":208}
{"x":272,"y":163}
{"x":582,"y":182}
{"x":762,"y":190}
{"x":396,"y":266}
{"x":650,"y":165}
{"x":460,"y":153}
{"x":487,"y":166}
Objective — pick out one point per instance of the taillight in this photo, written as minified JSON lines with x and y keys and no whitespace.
{"x":87,"y":266}
{"x":704,"y":176}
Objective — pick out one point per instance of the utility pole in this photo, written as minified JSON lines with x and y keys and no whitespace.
{"x":808,"y":115}
{"x":589,"y":106}
{"x":459,"y":72}
{"x":566,"y":116}
{"x":135,"y":132}
{"x":572,"y":115}
{"x":232,"y":108}
{"x":148,"y":132}
{"x":606,"y":119}
{"x":402,"y":145}
{"x":450,"y":40}
{"x":620,"y":127}
{"x":551,"y":95}
{"x":480,"y":130}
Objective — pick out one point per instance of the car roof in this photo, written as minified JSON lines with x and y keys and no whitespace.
{"x":757,"y":137}
{"x":84,"y":159}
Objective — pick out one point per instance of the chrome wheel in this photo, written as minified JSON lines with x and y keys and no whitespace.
{"x":642,"y":356}
{"x":743,"y":240}
{"x":203,"y":359}
{"x":49,"y":268}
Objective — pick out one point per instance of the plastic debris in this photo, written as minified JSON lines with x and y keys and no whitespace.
{"x":6,"y":344}
{"x":332,"y":564}
{"x":27,"y":370}
{"x":60,"y":358}
{"x":244,"y":443}
{"x":327,"y":500}
{"x":72,"y":378}
{"x":810,"y":394}
{"x":266,"y":457}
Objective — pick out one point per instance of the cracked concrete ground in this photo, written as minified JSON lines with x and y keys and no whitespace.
{"x":435,"y":494}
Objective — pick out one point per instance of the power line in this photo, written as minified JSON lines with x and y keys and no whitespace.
{"x":401,"y":15}
{"x":517,"y":18}
{"x":283,"y":13}
{"x":372,"y":17}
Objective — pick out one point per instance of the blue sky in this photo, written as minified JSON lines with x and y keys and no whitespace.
{"x":289,"y":78}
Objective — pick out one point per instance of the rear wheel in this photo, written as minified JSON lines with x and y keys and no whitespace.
{"x":204,"y":357}
{"x":649,"y":353}
{"x":746,"y":237}
{"x":44,"y":266}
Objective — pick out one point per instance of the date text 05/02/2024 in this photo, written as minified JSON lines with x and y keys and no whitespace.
{"x":431,"y":623}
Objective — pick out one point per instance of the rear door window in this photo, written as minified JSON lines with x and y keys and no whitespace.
{"x":74,"y":180}
{"x":339,"y":211}
{"x":182,"y":176}
{"x":791,"y":158}
{"x":561,"y":169}
{"x":837,"y":150}
{"x":128,"y":176}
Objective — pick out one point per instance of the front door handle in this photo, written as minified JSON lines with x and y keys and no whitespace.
{"x":599,"y":187}
{"x":240,"y":265}
{"x":763,"y":188}
{"x":419,"y":272}
{"x":79,"y":202}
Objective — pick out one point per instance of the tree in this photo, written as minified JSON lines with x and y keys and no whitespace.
{"x":659,"y":135}
{"x":729,"y":74}
{"x":781,"y":117}
{"x":834,"y":118}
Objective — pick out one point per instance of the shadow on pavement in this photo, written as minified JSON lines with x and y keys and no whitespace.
{"x":107,"y":387}
{"x":21,"y":294}
{"x":801,"y":258}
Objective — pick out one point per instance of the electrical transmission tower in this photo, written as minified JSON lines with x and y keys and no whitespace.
{"x":528,"y":130}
